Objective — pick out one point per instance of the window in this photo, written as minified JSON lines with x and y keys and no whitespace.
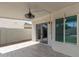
{"x":59,"y":30}
{"x":70,"y":30}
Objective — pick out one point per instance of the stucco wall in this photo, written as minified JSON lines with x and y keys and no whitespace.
{"x":44,"y":19}
{"x":66,"y":48}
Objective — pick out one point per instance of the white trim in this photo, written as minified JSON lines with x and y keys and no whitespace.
{"x":77,"y":31}
{"x":64,"y":30}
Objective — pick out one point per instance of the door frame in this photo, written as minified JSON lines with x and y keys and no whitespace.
{"x":42,"y":32}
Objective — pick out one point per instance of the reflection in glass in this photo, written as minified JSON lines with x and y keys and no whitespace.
{"x":59,"y":30}
{"x":41,"y":32}
{"x":38,"y":31}
{"x":44,"y":30}
{"x":70,"y":29}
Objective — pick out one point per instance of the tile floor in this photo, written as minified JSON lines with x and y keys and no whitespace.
{"x":32,"y":50}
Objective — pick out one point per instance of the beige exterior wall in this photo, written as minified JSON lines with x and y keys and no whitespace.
{"x":43,"y":19}
{"x":65,"y":48}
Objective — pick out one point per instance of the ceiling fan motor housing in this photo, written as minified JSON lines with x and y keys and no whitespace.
{"x":29,"y":15}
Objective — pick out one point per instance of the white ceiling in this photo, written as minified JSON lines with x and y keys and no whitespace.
{"x":43,"y":8}
{"x":18,"y":9}
{"x":50,"y":6}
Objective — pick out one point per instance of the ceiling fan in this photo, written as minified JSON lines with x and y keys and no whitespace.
{"x":29,"y":15}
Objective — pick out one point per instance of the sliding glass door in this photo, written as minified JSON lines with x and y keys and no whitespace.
{"x":38,"y":31}
{"x":42,"y":32}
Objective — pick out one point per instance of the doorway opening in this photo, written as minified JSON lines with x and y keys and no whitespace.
{"x":42,"y":32}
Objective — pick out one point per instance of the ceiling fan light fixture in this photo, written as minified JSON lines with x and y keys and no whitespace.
{"x":29,"y":15}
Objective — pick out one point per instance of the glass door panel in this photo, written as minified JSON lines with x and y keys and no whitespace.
{"x":38,"y":31}
{"x":42,"y":32}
